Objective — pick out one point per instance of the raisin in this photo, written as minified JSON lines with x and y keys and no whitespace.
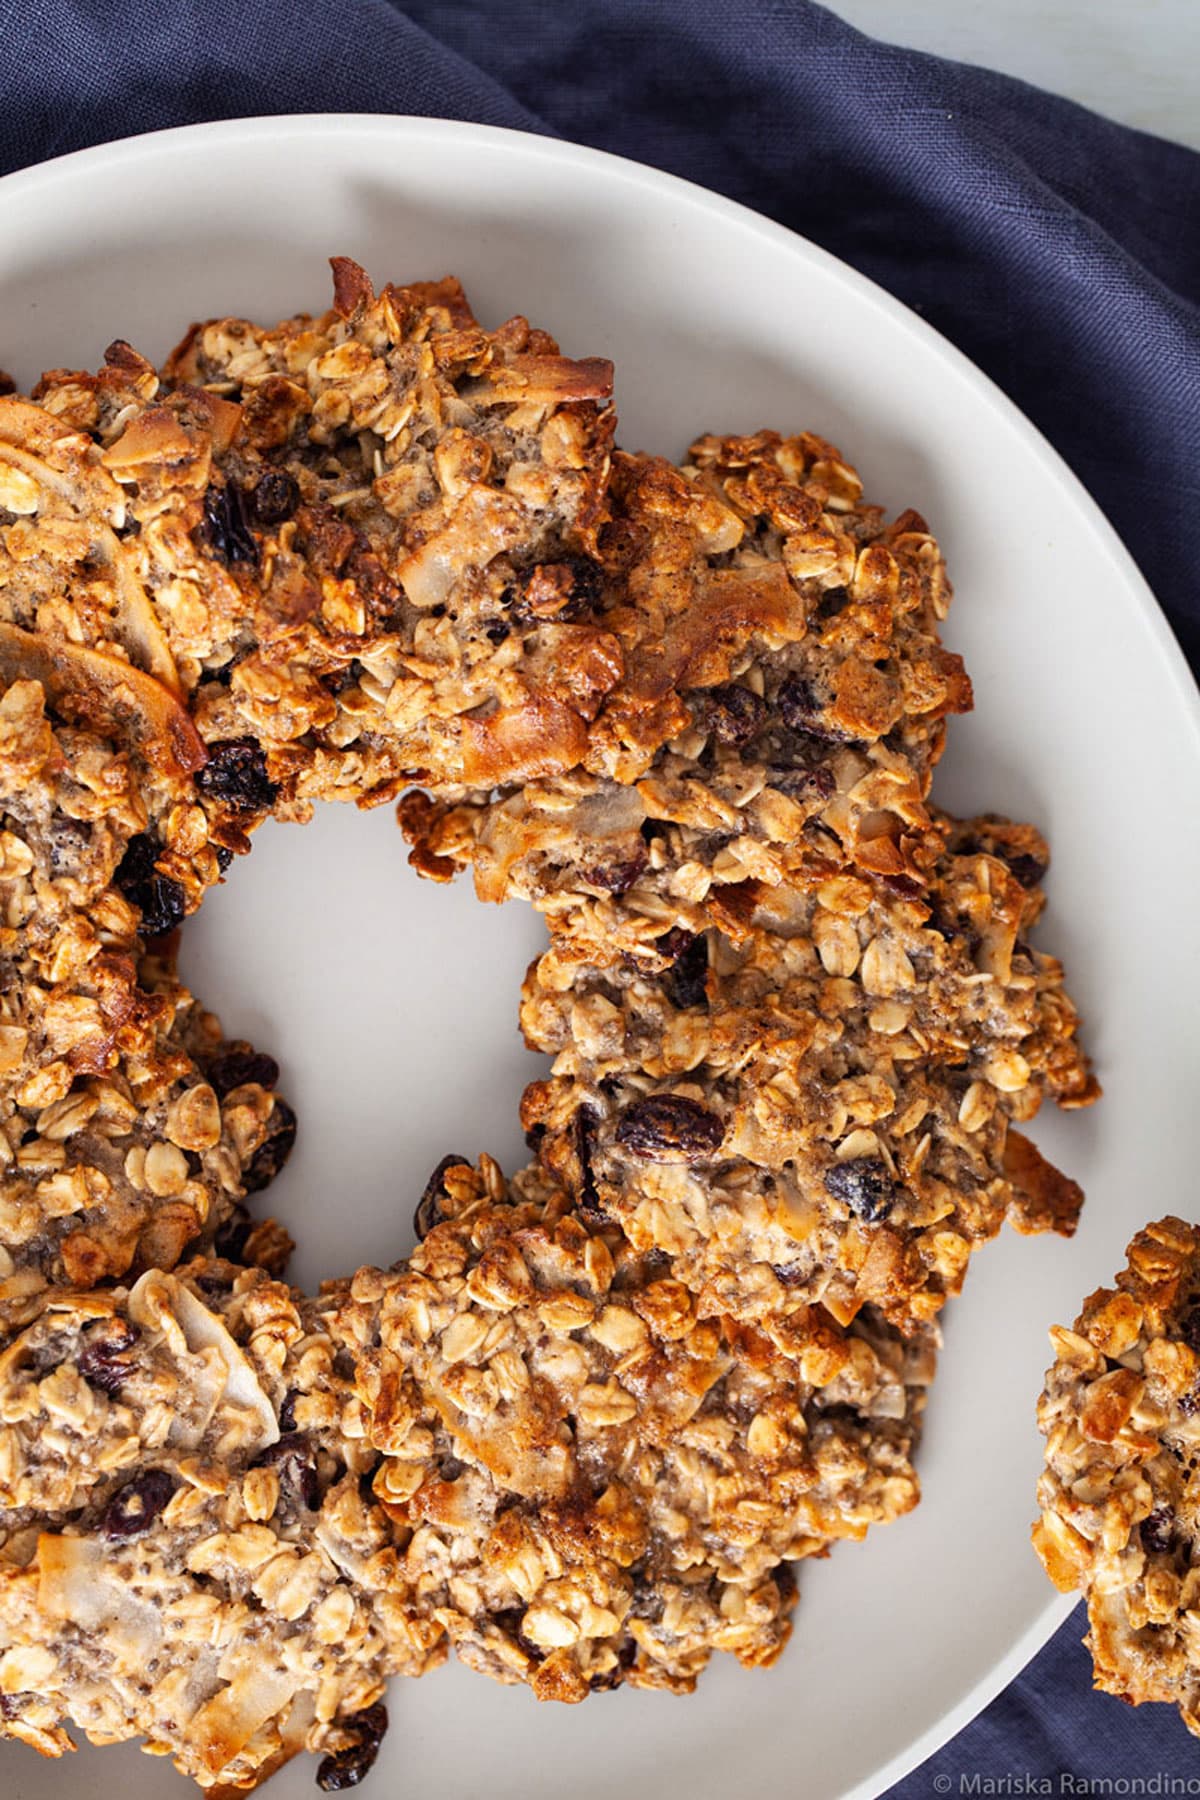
{"x":864,"y":1185}
{"x":686,"y":981}
{"x":803,"y":784}
{"x":670,"y":1125}
{"x":293,"y":1461}
{"x":612,"y":1678}
{"x":832,"y":602}
{"x":274,"y":1151}
{"x":1189,"y":1329}
{"x":274,"y":497}
{"x":1157,"y":1528}
{"x":236,"y":775}
{"x":238,"y":1068}
{"x":789,"y":1274}
{"x":733,"y":714}
{"x":102,"y":1363}
{"x":797,"y":703}
{"x":226,"y":527}
{"x":346,"y":1768}
{"x":616,"y":877}
{"x":287,"y":1412}
{"x":134,"y":1509}
{"x":159,"y":898}
{"x":497,"y":631}
{"x":584,"y":1130}
{"x":231,"y":1235}
{"x":428,"y":1211}
{"x":511,"y":1619}
{"x":224,"y":857}
{"x":1027,"y":869}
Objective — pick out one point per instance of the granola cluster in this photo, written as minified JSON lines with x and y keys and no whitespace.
{"x":1120,"y":1494}
{"x":584,"y":1432}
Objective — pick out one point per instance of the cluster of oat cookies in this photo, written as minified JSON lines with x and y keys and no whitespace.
{"x":581,"y":1435}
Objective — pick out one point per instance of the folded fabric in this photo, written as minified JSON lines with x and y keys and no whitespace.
{"x":1059,"y":251}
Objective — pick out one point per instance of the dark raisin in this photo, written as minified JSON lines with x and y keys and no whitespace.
{"x":584,"y":1131}
{"x":1189,"y":1329}
{"x":236,"y":775}
{"x":274,"y":497}
{"x":1189,"y":1405}
{"x":1158,"y":1533}
{"x":1027,"y":869}
{"x":11,"y":1704}
{"x":293,"y":1461}
{"x":236,"y":1068}
{"x":686,"y":981}
{"x":104,"y":1362}
{"x":231,"y":1235}
{"x":449,"y":1469}
{"x":497,"y":631}
{"x":797,"y":703}
{"x":428,"y":1211}
{"x":790,"y":1274}
{"x":615,"y":877}
{"x":159,"y":898}
{"x":832,"y":602}
{"x":287,"y":1412}
{"x":135,"y":1508}
{"x":733,"y":714}
{"x":613,"y":1678}
{"x":224,"y":857}
{"x":864,"y":1185}
{"x":803,"y":784}
{"x":670,"y":1125}
{"x":346,"y":1768}
{"x":7,"y":384}
{"x":225,"y":526}
{"x":904,"y":885}
{"x":274,"y":1151}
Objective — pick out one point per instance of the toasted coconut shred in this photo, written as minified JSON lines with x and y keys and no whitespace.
{"x":583,"y":1434}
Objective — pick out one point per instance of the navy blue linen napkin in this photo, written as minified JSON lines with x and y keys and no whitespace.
{"x":1060,"y":251}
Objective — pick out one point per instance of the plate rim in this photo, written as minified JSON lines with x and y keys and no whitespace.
{"x":24,"y":185}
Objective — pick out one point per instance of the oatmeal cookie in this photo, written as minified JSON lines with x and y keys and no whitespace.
{"x":785,"y":690}
{"x":1120,"y":1495}
{"x":188,"y":1552}
{"x":596,"y":1484}
{"x":819,"y":1108}
{"x":116,"y":1144}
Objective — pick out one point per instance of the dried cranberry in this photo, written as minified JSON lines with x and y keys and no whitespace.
{"x":686,"y":981}
{"x":226,"y":526}
{"x":733,"y":714}
{"x":274,"y":497}
{"x":104,"y":1363}
{"x":615,"y":877}
{"x":428,"y":1211}
{"x":159,"y":898}
{"x":670,"y":1125}
{"x":346,"y":1768}
{"x":293,"y":1461}
{"x":134,"y":1509}
{"x":1158,"y":1530}
{"x":236,"y":775}
{"x":864,"y":1185}
{"x":274,"y":1151}
{"x":238,"y":1068}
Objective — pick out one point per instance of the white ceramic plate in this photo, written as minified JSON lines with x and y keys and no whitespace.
{"x":392,"y":1004}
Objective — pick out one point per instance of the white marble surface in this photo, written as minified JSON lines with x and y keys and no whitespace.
{"x":1134,"y":60}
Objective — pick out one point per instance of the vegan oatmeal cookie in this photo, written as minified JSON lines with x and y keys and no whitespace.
{"x":1120,"y":1495}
